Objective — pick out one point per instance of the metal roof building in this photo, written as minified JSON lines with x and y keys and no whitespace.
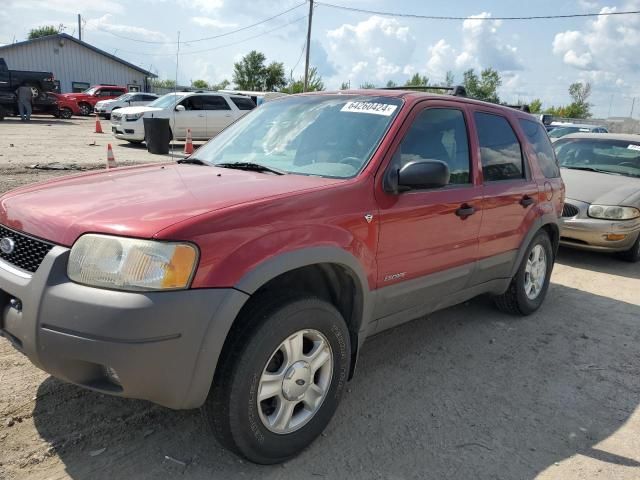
{"x":76,"y":65}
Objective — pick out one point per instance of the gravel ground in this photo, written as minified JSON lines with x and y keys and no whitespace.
{"x":467,"y":393}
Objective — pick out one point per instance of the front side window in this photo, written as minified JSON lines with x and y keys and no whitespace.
{"x":500,"y":150}
{"x":324,"y":135}
{"x":192,"y":103}
{"x":439,"y":134}
{"x":538,"y":137}
{"x":215,"y":102}
{"x":615,"y":157}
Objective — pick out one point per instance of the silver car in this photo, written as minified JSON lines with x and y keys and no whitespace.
{"x":602,"y":177}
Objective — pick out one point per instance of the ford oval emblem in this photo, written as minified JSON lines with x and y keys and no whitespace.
{"x":7,"y":245}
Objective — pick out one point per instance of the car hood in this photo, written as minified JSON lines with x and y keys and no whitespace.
{"x":138,"y":201}
{"x":139,"y":109}
{"x":74,"y":96}
{"x":601,"y":188}
{"x":102,"y":103}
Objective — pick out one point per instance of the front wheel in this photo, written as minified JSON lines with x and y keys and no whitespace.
{"x":280,"y":379}
{"x":85,"y":109}
{"x":530,"y":284}
{"x":65,"y":113}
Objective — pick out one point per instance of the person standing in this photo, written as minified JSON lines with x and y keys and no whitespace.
{"x":25,"y":97}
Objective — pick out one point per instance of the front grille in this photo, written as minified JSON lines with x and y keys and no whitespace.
{"x":569,"y":210}
{"x":28,"y":252}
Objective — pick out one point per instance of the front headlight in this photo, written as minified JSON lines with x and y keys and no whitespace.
{"x":132,"y":117}
{"x":131,"y":264}
{"x":612,"y":212}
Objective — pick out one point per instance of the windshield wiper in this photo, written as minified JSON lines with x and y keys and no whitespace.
{"x":192,"y":161}
{"x":254,"y":167}
{"x":591,"y":169}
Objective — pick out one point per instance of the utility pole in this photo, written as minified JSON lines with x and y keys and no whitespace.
{"x":633,"y":104}
{"x":306,"y":63}
{"x":610,"y":105}
{"x":79,"y":27}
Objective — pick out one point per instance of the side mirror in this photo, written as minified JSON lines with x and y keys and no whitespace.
{"x":417,"y":175}
{"x":180,"y":108}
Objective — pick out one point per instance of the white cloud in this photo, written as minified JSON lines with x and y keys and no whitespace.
{"x":205,"y":6}
{"x":371,"y":50}
{"x":104,"y":23}
{"x":65,"y":6}
{"x":607,"y":44}
{"x":208,"y":22}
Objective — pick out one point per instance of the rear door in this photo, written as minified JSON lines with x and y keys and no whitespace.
{"x":219,"y":114}
{"x":428,"y":239}
{"x":510,"y":194}
{"x":193,"y":117}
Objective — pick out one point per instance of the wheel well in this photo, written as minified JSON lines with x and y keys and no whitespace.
{"x":554,"y":234}
{"x":332,"y":283}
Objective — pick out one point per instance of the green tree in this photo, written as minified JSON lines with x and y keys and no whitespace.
{"x":274,"y":78}
{"x":391,"y":84}
{"x":580,"y":107}
{"x":535,"y":106}
{"x":367,"y":86}
{"x":200,"y":84}
{"x":250,"y":72}
{"x":449,"y":79}
{"x":163,"y":83}
{"x":314,"y":83}
{"x":484,"y":87}
{"x":345,"y":86}
{"x":417,"y":81}
{"x":220,"y":86}
{"x":45,"y":31}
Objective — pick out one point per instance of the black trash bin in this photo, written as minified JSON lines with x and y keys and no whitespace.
{"x":157,"y":134}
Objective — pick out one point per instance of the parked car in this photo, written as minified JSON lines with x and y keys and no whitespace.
{"x":133,"y":99}
{"x":66,"y":107}
{"x":258,"y":98}
{"x":40,"y":82}
{"x":246,"y":278}
{"x":87,"y":100}
{"x":205,"y":113}
{"x":46,"y":103}
{"x":562,"y":129}
{"x":602,"y":211}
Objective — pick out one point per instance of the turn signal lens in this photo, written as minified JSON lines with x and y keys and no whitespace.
{"x":613,"y":237}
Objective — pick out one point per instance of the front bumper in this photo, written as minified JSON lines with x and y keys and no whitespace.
{"x":124,"y":130}
{"x":586,"y":233}
{"x":163,"y":346}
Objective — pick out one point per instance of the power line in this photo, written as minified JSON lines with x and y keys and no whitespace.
{"x":434,"y":17}
{"x":205,"y":38}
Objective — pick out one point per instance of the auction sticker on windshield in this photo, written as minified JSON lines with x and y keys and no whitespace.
{"x":634,"y":147}
{"x":370,"y":107}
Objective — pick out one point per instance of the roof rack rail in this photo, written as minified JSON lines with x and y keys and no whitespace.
{"x":521,"y":107}
{"x":458,"y":90}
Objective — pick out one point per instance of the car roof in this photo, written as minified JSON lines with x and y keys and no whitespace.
{"x":579,"y":125}
{"x":626,"y":137}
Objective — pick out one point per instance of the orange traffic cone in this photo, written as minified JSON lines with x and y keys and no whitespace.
{"x":188,"y":147}
{"x":98,"y":126}
{"x":111,"y":160}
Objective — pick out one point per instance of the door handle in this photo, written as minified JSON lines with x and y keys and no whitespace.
{"x":201,"y":116}
{"x":465,"y":211}
{"x":527,"y":200}
{"x":227,"y":115}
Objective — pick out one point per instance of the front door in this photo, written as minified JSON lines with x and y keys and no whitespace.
{"x":193,"y":117}
{"x":428,"y":240}
{"x":219,"y":114}
{"x":510,"y":195}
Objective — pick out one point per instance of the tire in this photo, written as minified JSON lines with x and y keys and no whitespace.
{"x":65,"y":113}
{"x":251,"y":429}
{"x":36,"y":92}
{"x":85,"y":109}
{"x":516,"y":300}
{"x":633,"y":254}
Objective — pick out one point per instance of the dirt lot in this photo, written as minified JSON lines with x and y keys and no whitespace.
{"x":468,"y":393}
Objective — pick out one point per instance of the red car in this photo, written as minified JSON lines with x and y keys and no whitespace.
{"x":86,"y":100}
{"x":66,"y":107}
{"x":246,"y":278}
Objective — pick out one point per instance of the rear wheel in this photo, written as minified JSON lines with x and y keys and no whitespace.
{"x":530,"y":284}
{"x":65,"y":113}
{"x":280,"y":379}
{"x":85,"y":109}
{"x":633,"y":254}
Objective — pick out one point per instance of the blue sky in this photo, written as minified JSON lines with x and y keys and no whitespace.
{"x":537,"y":59}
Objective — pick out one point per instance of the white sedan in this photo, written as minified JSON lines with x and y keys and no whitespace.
{"x":104,"y":107}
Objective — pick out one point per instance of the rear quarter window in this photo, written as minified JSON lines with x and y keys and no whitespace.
{"x":243,"y":103}
{"x":538,"y":138}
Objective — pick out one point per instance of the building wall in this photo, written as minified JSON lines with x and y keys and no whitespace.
{"x":70,"y":62}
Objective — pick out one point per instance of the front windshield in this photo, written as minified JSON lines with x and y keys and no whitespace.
{"x":90,"y":91}
{"x":562,"y":131}
{"x":165,"y":100}
{"x":616,"y":157}
{"x":124,"y":97}
{"x":325,"y":135}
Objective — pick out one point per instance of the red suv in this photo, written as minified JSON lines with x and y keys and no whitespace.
{"x":245,"y":279}
{"x":88,"y":99}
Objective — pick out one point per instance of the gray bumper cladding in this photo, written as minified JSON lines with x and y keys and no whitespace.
{"x":158,"y":346}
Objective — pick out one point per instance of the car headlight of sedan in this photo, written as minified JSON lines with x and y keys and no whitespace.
{"x":131,"y":264}
{"x":613,"y":212}
{"x":132,"y":117}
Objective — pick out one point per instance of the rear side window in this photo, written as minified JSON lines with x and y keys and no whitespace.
{"x":439,"y":134}
{"x":243,"y":103}
{"x":215,"y":102}
{"x":542,"y":145}
{"x":500,"y":149}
